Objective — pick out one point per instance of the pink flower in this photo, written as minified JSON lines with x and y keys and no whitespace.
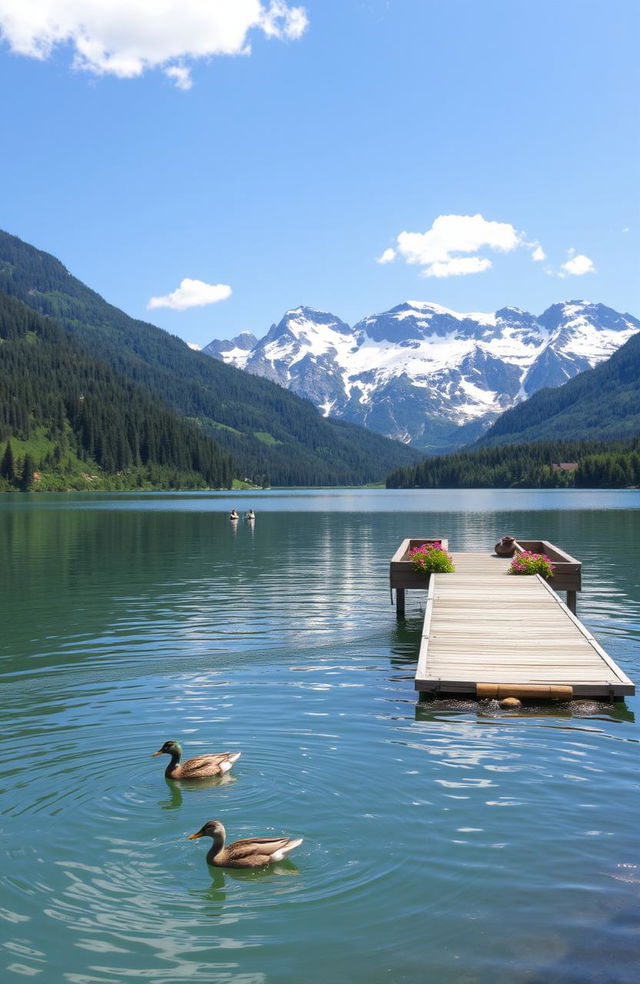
{"x":529,"y":562}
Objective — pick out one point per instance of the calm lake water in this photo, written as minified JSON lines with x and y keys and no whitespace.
{"x":442,"y":843}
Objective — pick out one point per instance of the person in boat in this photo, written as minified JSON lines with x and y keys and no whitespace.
{"x":233,"y":515}
{"x":250,"y":515}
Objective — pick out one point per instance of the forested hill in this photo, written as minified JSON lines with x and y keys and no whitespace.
{"x":602,"y":402}
{"x":540,"y":464}
{"x":271,"y":433}
{"x":68,"y":420}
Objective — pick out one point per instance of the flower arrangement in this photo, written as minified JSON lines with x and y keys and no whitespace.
{"x":431,"y":558}
{"x":528,"y":562}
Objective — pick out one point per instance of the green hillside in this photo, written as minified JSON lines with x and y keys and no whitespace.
{"x":601,"y":403}
{"x":68,"y":420}
{"x":271,"y":434}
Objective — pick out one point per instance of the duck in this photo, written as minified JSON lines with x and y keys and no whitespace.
{"x":198,"y":767}
{"x":250,"y":515}
{"x":252,"y":852}
{"x":233,"y":515}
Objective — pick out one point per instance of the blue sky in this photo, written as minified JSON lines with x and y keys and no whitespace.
{"x":281,"y":175}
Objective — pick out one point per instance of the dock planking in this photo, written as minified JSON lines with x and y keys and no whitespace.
{"x":488,"y":633}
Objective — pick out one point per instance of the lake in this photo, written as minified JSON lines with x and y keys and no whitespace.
{"x":445,"y":842}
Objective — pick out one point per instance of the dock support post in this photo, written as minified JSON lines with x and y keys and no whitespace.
{"x":571,"y":601}
{"x":399,"y":602}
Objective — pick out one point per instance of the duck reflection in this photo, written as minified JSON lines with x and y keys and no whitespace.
{"x":215,"y":895}
{"x":268,"y":873}
{"x":177,"y":787}
{"x":220,"y":891}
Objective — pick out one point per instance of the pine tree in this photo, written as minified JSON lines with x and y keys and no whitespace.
{"x":28,"y":470}
{"x":8,"y":466}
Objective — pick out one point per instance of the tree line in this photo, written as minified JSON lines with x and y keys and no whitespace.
{"x":540,"y":464}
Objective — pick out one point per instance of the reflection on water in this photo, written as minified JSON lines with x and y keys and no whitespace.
{"x":433,"y":709}
{"x":176,"y":787}
{"x":482,"y":844}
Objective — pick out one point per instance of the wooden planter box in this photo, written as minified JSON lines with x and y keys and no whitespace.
{"x":568,"y":570}
{"x":401,"y":573}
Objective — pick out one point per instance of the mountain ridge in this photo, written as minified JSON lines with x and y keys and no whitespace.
{"x":426,"y":374}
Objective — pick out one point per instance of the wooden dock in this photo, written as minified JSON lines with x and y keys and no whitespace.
{"x":489,"y":634}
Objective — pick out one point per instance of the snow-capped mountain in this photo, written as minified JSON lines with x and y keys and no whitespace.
{"x":423,"y":374}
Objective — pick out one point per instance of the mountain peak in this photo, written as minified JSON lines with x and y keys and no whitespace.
{"x":242,"y":343}
{"x":306,"y":321}
{"x":306,"y":309}
{"x":430,"y":307}
{"x":589,"y":315}
{"x":511,"y":309}
{"x":315,"y":314}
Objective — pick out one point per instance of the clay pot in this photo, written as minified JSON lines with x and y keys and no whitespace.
{"x":506,"y":547}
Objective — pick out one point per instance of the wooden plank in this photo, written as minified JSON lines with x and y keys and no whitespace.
{"x":447,"y":688}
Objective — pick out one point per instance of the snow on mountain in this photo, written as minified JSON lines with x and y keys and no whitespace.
{"x":232,"y":350}
{"x":422,"y":373}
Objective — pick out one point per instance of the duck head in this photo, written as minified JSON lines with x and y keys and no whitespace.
{"x":169,"y":748}
{"x":212,"y":828}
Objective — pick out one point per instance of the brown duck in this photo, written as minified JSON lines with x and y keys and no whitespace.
{"x":198,"y":767}
{"x":254,"y":852}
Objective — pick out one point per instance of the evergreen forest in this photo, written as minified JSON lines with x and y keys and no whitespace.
{"x":69,"y":421}
{"x":273,"y":436}
{"x":539,"y":464}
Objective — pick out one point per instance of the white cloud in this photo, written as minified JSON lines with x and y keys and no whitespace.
{"x":538,"y":254}
{"x":457,"y":266}
{"x":181,"y":76}
{"x":388,"y":256}
{"x":280,"y":20}
{"x":435,"y":250}
{"x":191,"y":293}
{"x":127,"y":37}
{"x":577,"y":266}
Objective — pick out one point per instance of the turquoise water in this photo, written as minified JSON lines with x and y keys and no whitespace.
{"x":448,"y":842}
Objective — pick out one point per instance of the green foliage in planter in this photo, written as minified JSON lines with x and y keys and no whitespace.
{"x":431,"y":558}
{"x":528,"y":562}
